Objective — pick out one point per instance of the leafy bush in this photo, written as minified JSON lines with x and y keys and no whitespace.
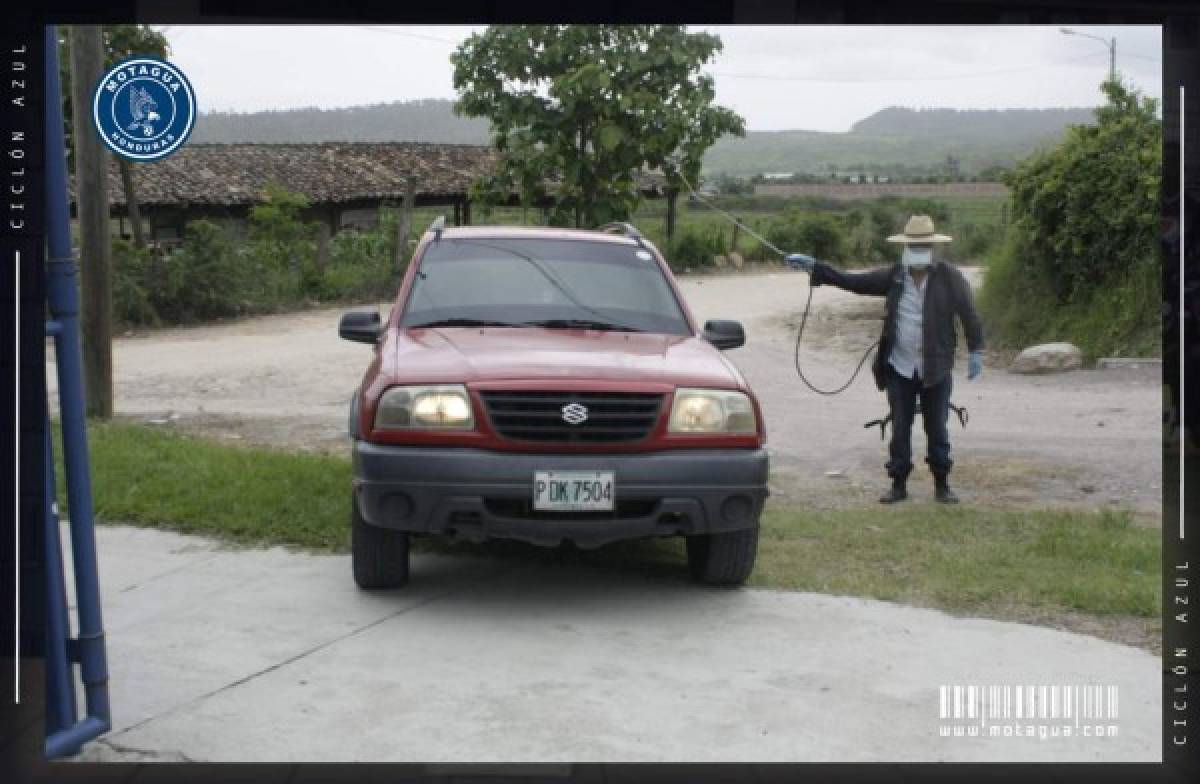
{"x":131,"y":283}
{"x":818,"y":235}
{"x":1089,"y":207}
{"x":1118,"y":316}
{"x":281,"y":250}
{"x":1080,"y":262}
{"x":212,"y":276}
{"x":204,"y":279}
{"x":695,"y":246}
{"x":362,"y":265}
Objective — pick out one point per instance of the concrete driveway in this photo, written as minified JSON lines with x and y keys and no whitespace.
{"x":222,"y":654}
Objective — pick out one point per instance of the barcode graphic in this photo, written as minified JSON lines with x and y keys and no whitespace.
{"x":1067,"y":702}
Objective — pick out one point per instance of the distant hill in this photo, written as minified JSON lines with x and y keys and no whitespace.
{"x":897,"y":140}
{"x":401,"y":121}
{"x":893,"y":139}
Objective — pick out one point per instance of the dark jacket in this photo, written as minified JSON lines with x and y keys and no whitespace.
{"x":947,"y":294}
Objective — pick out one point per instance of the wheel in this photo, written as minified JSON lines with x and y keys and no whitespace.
{"x":379,"y":555}
{"x":722,"y":559}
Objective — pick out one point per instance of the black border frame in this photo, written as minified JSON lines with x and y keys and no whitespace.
{"x":21,"y":738}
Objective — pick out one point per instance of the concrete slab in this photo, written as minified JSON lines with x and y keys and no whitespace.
{"x":268,"y":655}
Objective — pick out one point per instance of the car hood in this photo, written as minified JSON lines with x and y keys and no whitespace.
{"x":445,"y":355}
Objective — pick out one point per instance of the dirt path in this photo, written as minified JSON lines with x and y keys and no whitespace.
{"x":1088,"y":438}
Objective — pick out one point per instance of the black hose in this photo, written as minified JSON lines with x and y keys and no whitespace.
{"x":799,"y":372}
{"x":807,"y":305}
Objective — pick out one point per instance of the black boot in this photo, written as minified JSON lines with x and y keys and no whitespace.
{"x":942,"y":492}
{"x":896,"y":493}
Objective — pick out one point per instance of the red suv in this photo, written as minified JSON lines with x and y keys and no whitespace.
{"x":548,"y":384}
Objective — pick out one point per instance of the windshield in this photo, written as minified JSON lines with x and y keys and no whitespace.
{"x":542,"y":282}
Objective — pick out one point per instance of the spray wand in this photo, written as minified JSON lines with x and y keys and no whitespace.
{"x":807,"y":304}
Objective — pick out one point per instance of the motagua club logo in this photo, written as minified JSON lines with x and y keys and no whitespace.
{"x":144,"y":109}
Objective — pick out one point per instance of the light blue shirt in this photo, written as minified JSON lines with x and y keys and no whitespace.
{"x":906,"y":353}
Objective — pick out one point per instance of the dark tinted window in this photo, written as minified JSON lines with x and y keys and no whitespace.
{"x":519,"y":281}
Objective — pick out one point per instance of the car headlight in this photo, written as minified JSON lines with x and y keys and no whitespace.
{"x":711,"y":411}
{"x":425,"y":407}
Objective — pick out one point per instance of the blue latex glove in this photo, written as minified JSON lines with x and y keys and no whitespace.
{"x":974,"y":365}
{"x":800,"y":261}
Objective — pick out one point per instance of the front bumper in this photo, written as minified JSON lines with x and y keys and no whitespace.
{"x":479,"y":494}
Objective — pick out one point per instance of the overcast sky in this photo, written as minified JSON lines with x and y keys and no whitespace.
{"x":820,"y":78}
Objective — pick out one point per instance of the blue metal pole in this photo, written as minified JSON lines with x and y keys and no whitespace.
{"x":60,"y":680}
{"x":62,"y":294}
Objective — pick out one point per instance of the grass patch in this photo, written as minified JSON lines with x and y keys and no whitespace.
{"x":962,"y":558}
{"x":158,"y":478}
{"x":966,"y":558}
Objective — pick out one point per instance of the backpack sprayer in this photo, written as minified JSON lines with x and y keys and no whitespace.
{"x":882,"y":422}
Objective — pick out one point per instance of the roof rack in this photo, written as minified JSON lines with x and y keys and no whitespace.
{"x":627,"y":229}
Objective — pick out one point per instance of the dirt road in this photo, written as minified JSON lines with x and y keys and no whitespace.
{"x":1088,"y":437}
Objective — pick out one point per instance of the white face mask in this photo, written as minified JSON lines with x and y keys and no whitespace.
{"x":917,"y":257}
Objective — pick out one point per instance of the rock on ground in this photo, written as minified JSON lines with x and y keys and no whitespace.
{"x":1048,"y":358}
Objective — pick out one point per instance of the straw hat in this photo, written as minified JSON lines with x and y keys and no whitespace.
{"x":918,"y":231}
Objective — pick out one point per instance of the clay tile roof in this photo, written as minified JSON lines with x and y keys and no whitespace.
{"x":226,"y":175}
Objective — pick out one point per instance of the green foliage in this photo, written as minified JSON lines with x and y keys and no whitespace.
{"x":275,"y":266}
{"x":819,"y":235}
{"x":133,"y":274}
{"x":1080,"y":263}
{"x":1118,"y":316}
{"x":695,"y":246}
{"x":281,"y":247}
{"x":202,"y":280}
{"x":362,"y":264}
{"x":1090,"y":206}
{"x":590,"y":106}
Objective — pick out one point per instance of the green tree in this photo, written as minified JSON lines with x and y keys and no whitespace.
{"x":1089,"y":207}
{"x":1080,"y":260}
{"x":577,"y":111}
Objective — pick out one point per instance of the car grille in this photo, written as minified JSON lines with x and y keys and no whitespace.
{"x":538,"y":415}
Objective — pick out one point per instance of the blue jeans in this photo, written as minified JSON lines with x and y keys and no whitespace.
{"x":903,"y":394}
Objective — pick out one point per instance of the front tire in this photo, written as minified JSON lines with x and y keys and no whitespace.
{"x":724,"y":558}
{"x":379,"y":555}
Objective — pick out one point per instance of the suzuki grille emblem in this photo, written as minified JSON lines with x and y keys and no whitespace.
{"x":574,"y":414}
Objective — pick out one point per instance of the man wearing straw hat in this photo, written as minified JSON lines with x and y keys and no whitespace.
{"x":916,"y":350}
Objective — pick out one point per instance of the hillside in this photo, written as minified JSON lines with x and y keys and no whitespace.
{"x":895,"y":139}
{"x":891,"y":140}
{"x":414,"y":121}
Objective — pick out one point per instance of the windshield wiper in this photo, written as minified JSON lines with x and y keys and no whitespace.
{"x":461,"y":322}
{"x":580,"y":324}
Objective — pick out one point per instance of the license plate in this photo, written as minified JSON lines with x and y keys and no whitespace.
{"x":573,"y":491}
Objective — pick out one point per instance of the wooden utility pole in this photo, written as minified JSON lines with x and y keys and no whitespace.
{"x":405,"y":225}
{"x":95,"y":243}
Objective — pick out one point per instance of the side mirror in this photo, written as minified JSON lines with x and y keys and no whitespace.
{"x":724,"y":334}
{"x":360,"y":326}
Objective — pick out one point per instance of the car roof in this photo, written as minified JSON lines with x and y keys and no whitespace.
{"x":536,"y":232}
